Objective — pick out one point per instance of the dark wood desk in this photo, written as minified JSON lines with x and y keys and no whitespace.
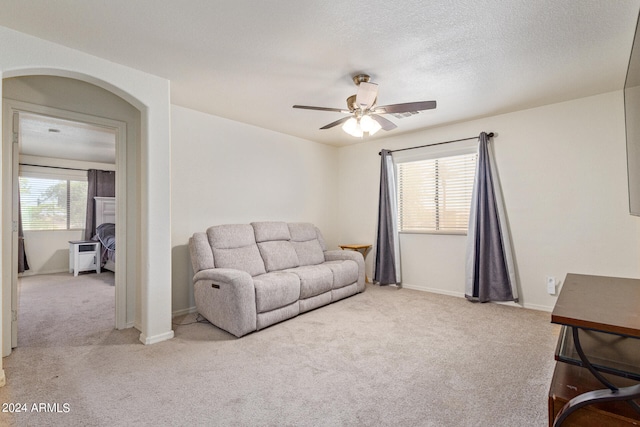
{"x":570,"y":381}
{"x":607,"y":304}
{"x":604,"y":312}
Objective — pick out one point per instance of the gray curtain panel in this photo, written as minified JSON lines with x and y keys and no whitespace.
{"x":23,"y":265}
{"x":490,"y":272}
{"x":387,"y":258}
{"x":100,"y":184}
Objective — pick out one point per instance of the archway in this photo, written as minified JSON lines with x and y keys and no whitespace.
{"x":65,"y":98}
{"x":151,"y":313}
{"x":27,"y":55}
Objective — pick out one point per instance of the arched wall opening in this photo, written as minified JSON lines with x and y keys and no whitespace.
{"x":71,"y":99}
{"x":24,"y":55}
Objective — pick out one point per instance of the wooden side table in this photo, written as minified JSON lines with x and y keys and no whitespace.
{"x":363,"y":249}
{"x":84,"y":255}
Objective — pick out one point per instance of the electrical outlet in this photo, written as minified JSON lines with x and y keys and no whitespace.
{"x":551,"y":285}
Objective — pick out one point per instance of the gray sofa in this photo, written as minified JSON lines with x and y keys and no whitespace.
{"x":250,"y":276}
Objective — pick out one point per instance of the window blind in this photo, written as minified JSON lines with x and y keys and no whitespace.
{"x":52,"y":204}
{"x":434,"y":195}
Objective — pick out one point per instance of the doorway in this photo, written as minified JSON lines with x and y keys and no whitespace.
{"x":47,"y":74}
{"x":34,"y":152}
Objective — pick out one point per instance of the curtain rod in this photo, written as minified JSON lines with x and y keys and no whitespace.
{"x":490,"y":135}
{"x":53,"y":167}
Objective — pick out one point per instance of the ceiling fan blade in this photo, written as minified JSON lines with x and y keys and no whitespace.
{"x":385,"y":123}
{"x":336,"y":123}
{"x":337,"y":110}
{"x":367,"y":94}
{"x":405,"y":108}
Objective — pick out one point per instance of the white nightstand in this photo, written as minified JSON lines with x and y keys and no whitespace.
{"x":84,"y":255}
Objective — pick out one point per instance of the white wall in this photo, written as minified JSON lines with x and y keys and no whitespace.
{"x":26,"y":55}
{"x":48,"y":251}
{"x":228,"y":172}
{"x":563,"y":173}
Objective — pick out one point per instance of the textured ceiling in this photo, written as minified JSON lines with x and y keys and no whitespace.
{"x":250,"y":61}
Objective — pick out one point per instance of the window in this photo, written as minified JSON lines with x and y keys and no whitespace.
{"x":48,"y":202}
{"x":434,"y":194}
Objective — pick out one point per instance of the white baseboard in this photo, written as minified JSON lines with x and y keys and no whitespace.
{"x":461,"y":295}
{"x":184,"y":311}
{"x":3,"y":379}
{"x":42,"y":272}
{"x":433,"y":290}
{"x":156,"y":338}
{"x":538,"y":307}
{"x":525,"y":305}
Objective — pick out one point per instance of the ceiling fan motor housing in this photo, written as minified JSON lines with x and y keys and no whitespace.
{"x":359,"y":78}
{"x":351,"y":103}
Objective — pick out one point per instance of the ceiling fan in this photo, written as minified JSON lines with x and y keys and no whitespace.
{"x":363,"y":113}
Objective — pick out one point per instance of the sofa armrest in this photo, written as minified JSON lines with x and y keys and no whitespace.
{"x":339,"y":255}
{"x":226,"y":297}
{"x":223,"y":275}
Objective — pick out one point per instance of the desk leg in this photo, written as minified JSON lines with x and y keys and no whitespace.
{"x":587,"y":364}
{"x":611,"y":394}
{"x":598,"y":396}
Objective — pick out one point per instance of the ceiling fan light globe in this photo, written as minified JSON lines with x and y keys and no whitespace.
{"x":367,"y":124}
{"x":352,"y":127}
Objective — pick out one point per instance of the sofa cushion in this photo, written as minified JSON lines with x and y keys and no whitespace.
{"x":234,"y":246}
{"x":302,"y":231}
{"x":268,"y":318}
{"x":231,"y":236}
{"x":312,"y":303}
{"x":246,"y":259}
{"x":343,"y":292}
{"x":345,"y":272}
{"x":266,"y":231}
{"x":275,"y":290}
{"x":314,"y":279}
{"x":278,"y":255}
{"x":309,"y":252}
{"x":304,"y":238}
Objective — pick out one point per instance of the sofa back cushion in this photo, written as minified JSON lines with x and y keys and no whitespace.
{"x":234,"y":246}
{"x":200,"y":250}
{"x":270,"y":230}
{"x":274,"y":245}
{"x":308,"y":243}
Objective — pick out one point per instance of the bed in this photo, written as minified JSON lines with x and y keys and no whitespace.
{"x":106,"y":230}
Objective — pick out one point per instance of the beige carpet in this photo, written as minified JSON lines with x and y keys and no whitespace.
{"x":385,"y":357}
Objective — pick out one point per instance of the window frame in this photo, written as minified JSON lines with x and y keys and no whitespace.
{"x":54,"y":173}
{"x":430,"y":153}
